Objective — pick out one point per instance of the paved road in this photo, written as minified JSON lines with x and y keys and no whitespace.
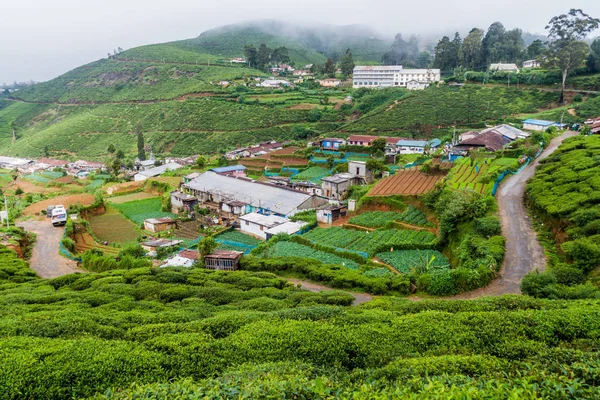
{"x":523,"y":251}
{"x":45,"y":260}
{"x":359,"y":298}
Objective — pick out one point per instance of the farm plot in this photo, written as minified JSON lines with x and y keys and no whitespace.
{"x":234,"y":240}
{"x":138,"y":211}
{"x":126,"y":198}
{"x":113,"y":227}
{"x":84,"y":242}
{"x":413,"y":216}
{"x":67,"y":200}
{"x":172,"y":181}
{"x":406,"y":260}
{"x":409,"y":182}
{"x":465,"y":176}
{"x":312,"y":174}
{"x":378,"y":219}
{"x":369,"y":242}
{"x":291,"y":249}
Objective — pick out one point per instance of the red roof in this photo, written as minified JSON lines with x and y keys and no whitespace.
{"x":491,"y":140}
{"x":191,"y":254}
{"x":394,"y":140}
{"x":229,"y":254}
{"x":50,"y":161}
{"x":362,"y":138}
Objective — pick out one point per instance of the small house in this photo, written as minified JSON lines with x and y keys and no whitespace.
{"x":159,"y":224}
{"x":331,"y":213}
{"x":411,"y":146}
{"x":156,"y":171}
{"x":232,"y":170}
{"x":274,"y":83}
{"x":500,"y":67}
{"x":359,"y":168}
{"x":153,"y":245}
{"x":234,"y":207}
{"x":329,"y":82}
{"x":257,"y":224}
{"x":289,"y":227}
{"x":332,"y":143}
{"x":539,"y":124}
{"x":181,"y":201}
{"x":185,"y":258}
{"x":223,"y":260}
{"x":416,"y":85}
{"x":361,"y":140}
{"x":532,"y":64}
{"x":336,"y":186}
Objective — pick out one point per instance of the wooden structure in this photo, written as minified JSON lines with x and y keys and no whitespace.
{"x":159,"y":224}
{"x":223,"y":260}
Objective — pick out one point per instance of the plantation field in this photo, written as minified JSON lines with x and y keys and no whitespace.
{"x":313,"y":174}
{"x":406,"y":260}
{"x":238,"y":241}
{"x":139,"y":210}
{"x":408,"y":182}
{"x":291,"y":249}
{"x":130,"y":197}
{"x":465,"y":176}
{"x":378,"y":219}
{"x":369,"y":242}
{"x":172,"y":181}
{"x":84,"y":242}
{"x":113,"y":227}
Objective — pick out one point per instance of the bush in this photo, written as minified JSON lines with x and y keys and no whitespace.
{"x":578,"y":98}
{"x":68,"y":243}
{"x":536,"y":283}
{"x":567,"y":275}
{"x":488,"y":226}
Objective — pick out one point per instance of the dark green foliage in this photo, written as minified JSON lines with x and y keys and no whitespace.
{"x":13,"y":269}
{"x":488,"y":226}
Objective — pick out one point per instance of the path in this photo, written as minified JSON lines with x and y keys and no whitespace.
{"x":359,"y":298}
{"x":523,"y":251}
{"x":45,"y":260}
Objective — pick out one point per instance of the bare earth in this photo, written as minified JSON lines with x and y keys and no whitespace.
{"x":359,"y":298}
{"x":85,"y":199}
{"x":523,"y":251}
{"x":45,"y":260}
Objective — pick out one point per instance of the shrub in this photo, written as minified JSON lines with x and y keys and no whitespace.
{"x":68,"y":243}
{"x":578,"y":98}
{"x":488,"y":226}
{"x":535,"y":283}
{"x":567,"y":275}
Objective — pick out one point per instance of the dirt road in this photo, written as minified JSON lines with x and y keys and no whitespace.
{"x":523,"y":251}
{"x":45,"y":260}
{"x":359,"y":298}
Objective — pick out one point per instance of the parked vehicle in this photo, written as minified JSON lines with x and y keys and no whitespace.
{"x":49,"y":211}
{"x":59,"y":216}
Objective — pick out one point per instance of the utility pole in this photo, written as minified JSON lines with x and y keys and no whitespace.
{"x":6,"y":208}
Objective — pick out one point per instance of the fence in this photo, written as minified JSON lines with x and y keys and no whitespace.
{"x":501,"y":177}
{"x":65,"y":252}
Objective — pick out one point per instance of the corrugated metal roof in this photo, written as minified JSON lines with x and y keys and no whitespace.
{"x":490,"y":140}
{"x":264,"y":220}
{"x":540,"y":122}
{"x":289,"y":227}
{"x":274,"y":198}
{"x":231,"y":168}
{"x":509,"y":131}
{"x":160,"y":169}
{"x":412,"y":143}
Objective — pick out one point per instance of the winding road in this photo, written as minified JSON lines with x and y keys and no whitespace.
{"x":523,"y":251}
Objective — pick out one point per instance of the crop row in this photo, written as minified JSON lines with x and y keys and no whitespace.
{"x":406,"y":260}
{"x":378,"y":219}
{"x":291,"y":249}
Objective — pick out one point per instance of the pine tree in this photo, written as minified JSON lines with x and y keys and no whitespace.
{"x":140,"y":143}
{"x":347,"y":63}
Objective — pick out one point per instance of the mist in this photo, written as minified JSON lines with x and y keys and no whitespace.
{"x":42,"y":39}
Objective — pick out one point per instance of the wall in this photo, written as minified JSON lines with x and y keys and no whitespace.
{"x":252,"y":228}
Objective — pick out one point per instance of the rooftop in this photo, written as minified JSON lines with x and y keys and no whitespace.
{"x":339,"y":178}
{"x":491,"y":140}
{"x":362,"y":138}
{"x":264,"y":220}
{"x":289,"y":227}
{"x":228,"y":254}
{"x":540,"y":122}
{"x":509,"y":131}
{"x":165,"y":220}
{"x":231,"y":168}
{"x":160,"y":169}
{"x":162,"y":243}
{"x":182,"y":196}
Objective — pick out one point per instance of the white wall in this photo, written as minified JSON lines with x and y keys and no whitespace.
{"x":139,"y":177}
{"x":252,"y":228}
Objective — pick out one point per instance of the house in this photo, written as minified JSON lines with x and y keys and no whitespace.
{"x":490,"y":141}
{"x":359,"y":168}
{"x":257,"y":224}
{"x":257,"y":196}
{"x":14,"y":163}
{"x":331,"y":213}
{"x":467,"y":135}
{"x":361,"y":140}
{"x":234,"y":207}
{"x":332,"y":143}
{"x":187,"y":178}
{"x":159,"y":224}
{"x":412,"y":146}
{"x":153,"y":245}
{"x":185,"y":258}
{"x":53,"y":163}
{"x":302,"y":72}
{"x":89,"y":166}
{"x":336,"y":186}
{"x":595,"y":128}
{"x":539,"y":124}
{"x":223,"y":260}
{"x":156,"y":171}
{"x":504,"y":67}
{"x":532,"y":64}
{"x":375,"y":76}
{"x":390,"y":144}
{"x":417,"y":85}
{"x":181,"y":201}
{"x":329,"y":82}
{"x":145,"y":164}
{"x":274,"y":83}
{"x":288,"y":227}
{"x":306,"y":186}
{"x":238,"y":60}
{"x":232,"y":170}
{"x":508,"y":131}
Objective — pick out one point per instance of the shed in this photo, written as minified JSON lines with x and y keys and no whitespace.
{"x":159,"y":224}
{"x":538,"y":124}
{"x":332,"y":143}
{"x":182,"y":201}
{"x":153,"y":245}
{"x":185,"y":258}
{"x":330,"y":214}
{"x":223,"y":260}
{"x":232,"y":170}
{"x":152,"y":172}
{"x":289,"y":227}
{"x":257,"y":224}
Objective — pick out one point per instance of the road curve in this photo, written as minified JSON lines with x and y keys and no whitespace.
{"x":45,"y":259}
{"x":523,"y":251}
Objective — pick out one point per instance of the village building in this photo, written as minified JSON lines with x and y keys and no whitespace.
{"x":332,"y":143}
{"x":532,"y":64}
{"x":329,"y":82}
{"x":500,"y":67}
{"x":232,"y":170}
{"x":416,"y":85}
{"x":361,"y":140}
{"x":330,"y":213}
{"x":185,"y":258}
{"x":181,"y":201}
{"x":373,"y":76}
{"x":288,"y":227}
{"x":539,"y":124}
{"x":223,"y":260}
{"x":490,"y":141}
{"x":302,"y":72}
{"x":359,"y":168}
{"x":257,"y":196}
{"x":336,"y":186}
{"x":234,"y":207}
{"x":159,"y":224}
{"x":274,"y":83}
{"x":412,"y":146}
{"x":307,"y":187}
{"x":595,"y":128}
{"x":153,"y":245}
{"x":14,"y":163}
{"x":508,"y":131}
{"x":191,"y":176}
{"x":89,"y":166}
{"x":53,"y":163}
{"x":156,"y":171}
{"x":257,"y":224}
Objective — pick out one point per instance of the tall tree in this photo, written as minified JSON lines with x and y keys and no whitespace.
{"x":251,"y":55}
{"x":513,"y":45}
{"x":140,"y":143}
{"x":492,"y":43}
{"x":347,"y":63}
{"x":470,"y":54}
{"x":593,"y":61}
{"x":536,"y":49}
{"x":402,"y":52}
{"x":424,"y":59}
{"x":329,"y":68}
{"x":263,"y":56}
{"x":567,"y":51}
{"x":446,"y":53}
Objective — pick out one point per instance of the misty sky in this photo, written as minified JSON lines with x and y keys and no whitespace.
{"x":41,"y":39}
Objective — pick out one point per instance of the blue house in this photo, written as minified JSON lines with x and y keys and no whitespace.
{"x":540,"y":124}
{"x":332,"y":143}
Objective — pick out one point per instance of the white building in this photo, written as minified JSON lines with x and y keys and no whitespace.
{"x":274,"y":83}
{"x":257,"y":224}
{"x":504,"y":67}
{"x":532,"y":64}
{"x":391,"y":75}
{"x":156,"y":171}
{"x":416,"y":85}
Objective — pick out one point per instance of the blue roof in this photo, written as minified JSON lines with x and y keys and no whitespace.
{"x":540,"y":122}
{"x":412,"y":143}
{"x":435,"y":142}
{"x":231,"y":168}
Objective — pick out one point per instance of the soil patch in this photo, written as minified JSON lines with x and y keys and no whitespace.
{"x":85,"y":199}
{"x":126,"y":198}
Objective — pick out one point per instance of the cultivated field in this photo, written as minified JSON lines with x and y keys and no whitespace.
{"x":130,"y":197}
{"x":378,"y":219}
{"x":406,"y":260}
{"x":465,"y":176}
{"x":84,"y":199}
{"x":84,"y":242}
{"x":410,"y":182}
{"x":138,"y":211}
{"x":291,"y":249}
{"x":112,"y":226}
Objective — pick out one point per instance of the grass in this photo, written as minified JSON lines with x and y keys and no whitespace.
{"x":291,"y":249}
{"x":113,"y":227}
{"x":138,"y":211}
{"x":130,"y":197}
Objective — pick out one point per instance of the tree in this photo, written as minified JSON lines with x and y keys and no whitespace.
{"x":251,"y":56}
{"x":140,"y":143}
{"x":206,"y":246}
{"x":470,"y":53}
{"x":402,"y":51}
{"x":329,"y":68}
{"x":447,"y":53}
{"x":378,"y":145}
{"x":492,"y":43}
{"x":111,"y":148}
{"x":46,"y":151}
{"x":115,"y":165}
{"x":536,"y":49}
{"x":424,"y":60}
{"x":201,"y":162}
{"x":376,"y":166}
{"x":593,"y":61}
{"x":280,"y":55}
{"x":120,"y":154}
{"x":567,"y":51}
{"x":263,"y":57}
{"x":347,"y":63}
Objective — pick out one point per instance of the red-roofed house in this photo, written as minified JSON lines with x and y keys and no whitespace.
{"x":361,"y":140}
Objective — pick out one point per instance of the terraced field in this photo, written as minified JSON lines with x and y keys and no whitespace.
{"x":291,"y":249}
{"x":465,"y":176}
{"x":406,"y":260}
{"x":408,"y":182}
{"x":84,"y":242}
{"x":112,"y":226}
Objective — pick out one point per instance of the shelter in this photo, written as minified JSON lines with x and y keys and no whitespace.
{"x":490,"y":141}
{"x":153,"y":245}
{"x":159,"y":224}
{"x":223,"y":260}
{"x":332,"y":143}
{"x":331,"y":213}
{"x":156,"y":171}
{"x":511,"y":67}
{"x":289,"y":227}
{"x":182,"y":201}
{"x":257,"y":224}
{"x":539,"y":124}
{"x":508,"y":131}
{"x":336,"y":186}
{"x":185,"y":258}
{"x":232,"y":170}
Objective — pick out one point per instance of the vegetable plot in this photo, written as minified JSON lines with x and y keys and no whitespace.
{"x":291,"y":249}
{"x":406,"y":260}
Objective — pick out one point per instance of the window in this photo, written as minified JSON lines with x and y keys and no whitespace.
{"x":247,"y":223}
{"x":261,"y":227}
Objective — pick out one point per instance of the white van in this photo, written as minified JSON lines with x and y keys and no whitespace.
{"x":59,"y":216}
